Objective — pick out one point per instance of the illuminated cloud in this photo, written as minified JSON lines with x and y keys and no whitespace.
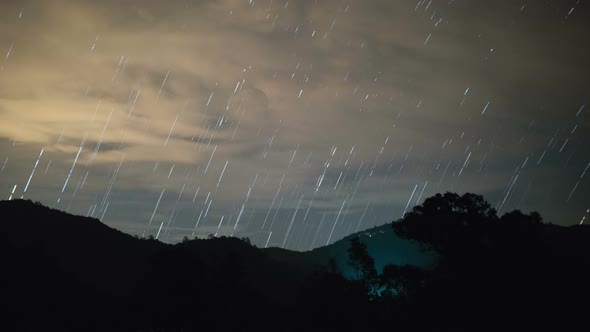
{"x":391,"y":95}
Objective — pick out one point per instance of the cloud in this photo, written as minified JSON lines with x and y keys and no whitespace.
{"x":168,"y":93}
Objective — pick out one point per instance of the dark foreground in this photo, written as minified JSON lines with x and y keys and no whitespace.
{"x":63,"y":272}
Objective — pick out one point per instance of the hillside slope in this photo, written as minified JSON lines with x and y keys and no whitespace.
{"x":382,"y":244}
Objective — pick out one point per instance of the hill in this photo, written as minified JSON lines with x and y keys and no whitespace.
{"x":65,"y":268}
{"x":382,"y":244}
{"x":477,"y":271}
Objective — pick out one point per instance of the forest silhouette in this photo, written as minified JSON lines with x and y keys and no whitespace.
{"x":65,"y":272}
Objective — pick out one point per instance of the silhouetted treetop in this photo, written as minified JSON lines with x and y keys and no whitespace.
{"x":443,"y":220}
{"x":492,"y":272}
{"x":457,"y":226}
{"x":470,"y":208}
{"x":360,"y":260}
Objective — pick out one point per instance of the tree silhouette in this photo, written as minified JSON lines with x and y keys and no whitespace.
{"x":447,"y":221}
{"x":361,"y":261}
{"x":492,"y":273}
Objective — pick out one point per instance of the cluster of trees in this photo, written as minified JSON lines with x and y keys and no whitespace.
{"x":491,"y":270}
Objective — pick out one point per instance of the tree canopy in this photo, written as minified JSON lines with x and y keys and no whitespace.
{"x":443,"y":221}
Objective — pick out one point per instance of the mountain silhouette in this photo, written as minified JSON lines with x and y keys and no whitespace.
{"x":478,"y":272}
{"x":56,"y":263}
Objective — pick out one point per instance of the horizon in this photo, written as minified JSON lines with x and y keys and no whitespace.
{"x":293,"y":124}
{"x":182,"y":240}
{"x":248,"y":240}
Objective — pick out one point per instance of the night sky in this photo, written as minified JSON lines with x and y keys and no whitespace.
{"x":293,"y":123}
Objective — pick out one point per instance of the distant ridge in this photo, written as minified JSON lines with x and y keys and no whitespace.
{"x":60,"y":270}
{"x":55,"y":262}
{"x":83,"y":247}
{"x":382,"y":244}
{"x":29,"y":221}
